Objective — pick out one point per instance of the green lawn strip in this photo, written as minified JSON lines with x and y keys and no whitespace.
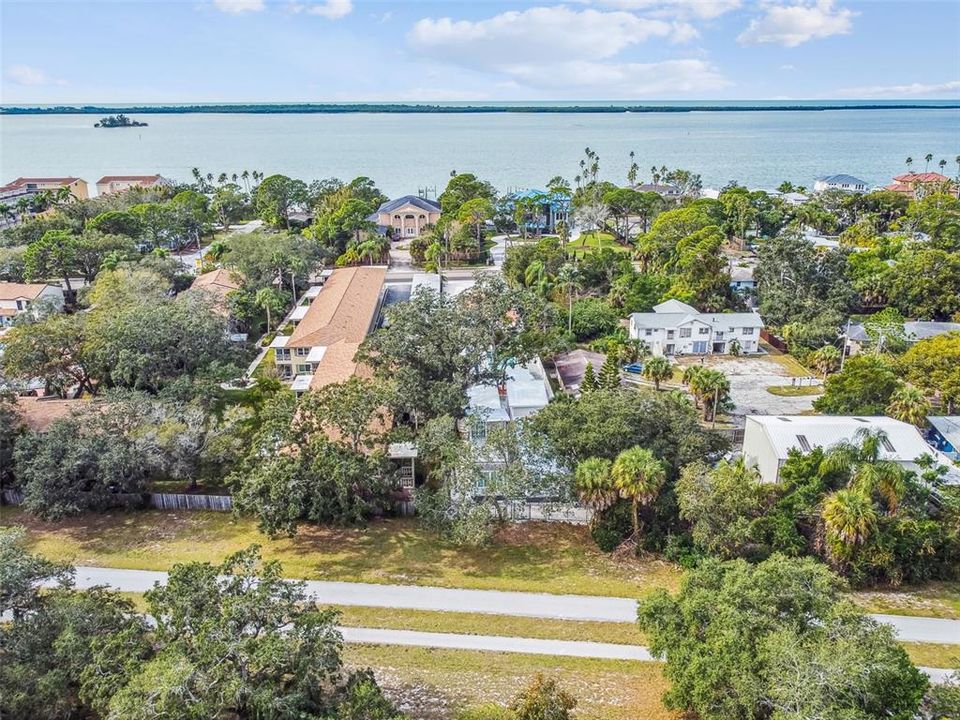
{"x":787,"y":362}
{"x":531,"y":557}
{"x":933,"y":655}
{"x":269,"y":362}
{"x":605,"y":689}
{"x":794,"y":391}
{"x":937,"y":599}
{"x":499,"y":625}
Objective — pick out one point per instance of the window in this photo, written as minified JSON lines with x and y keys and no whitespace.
{"x":304,"y":369}
{"x":303,"y":351}
{"x":685,"y":332}
{"x":748,"y":331}
{"x":700,"y":347}
{"x":804,"y":443}
{"x":670,"y":349}
{"x":411,"y":231}
{"x":670,"y":334}
{"x":283,"y":354}
{"x":648,"y":332}
{"x":704,"y":331}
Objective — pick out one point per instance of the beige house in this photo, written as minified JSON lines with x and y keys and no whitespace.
{"x":30,"y":186}
{"x":407,"y":216}
{"x":320,"y":350}
{"x":110,"y":184}
{"x":16,"y":299}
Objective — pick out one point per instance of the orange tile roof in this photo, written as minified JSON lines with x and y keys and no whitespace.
{"x":344,"y":309}
{"x":221,"y":277}
{"x":927,"y":177}
{"x":900,"y":188}
{"x":12,"y":291}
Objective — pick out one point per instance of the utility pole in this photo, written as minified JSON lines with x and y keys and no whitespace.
{"x":716,"y":399}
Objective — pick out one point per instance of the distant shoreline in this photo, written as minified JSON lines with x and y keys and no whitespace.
{"x":418,"y":108}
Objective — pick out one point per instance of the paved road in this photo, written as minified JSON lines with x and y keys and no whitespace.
{"x":492,"y":602}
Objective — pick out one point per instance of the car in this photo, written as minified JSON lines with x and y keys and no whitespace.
{"x":636,"y":368}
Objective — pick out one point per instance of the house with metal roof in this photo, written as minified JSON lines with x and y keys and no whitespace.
{"x":944,"y":435}
{"x":768,"y":439}
{"x":913,"y":331}
{"x":406,"y":217}
{"x":548,"y":209}
{"x":675,"y":328}
{"x":525,"y":392}
{"x":845,"y":183}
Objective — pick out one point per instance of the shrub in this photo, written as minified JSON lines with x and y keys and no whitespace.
{"x":593,"y":318}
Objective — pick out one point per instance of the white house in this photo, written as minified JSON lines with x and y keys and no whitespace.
{"x":768,"y":439}
{"x":675,"y":328}
{"x":846,"y":183}
{"x":16,"y":299}
{"x":526,"y":391}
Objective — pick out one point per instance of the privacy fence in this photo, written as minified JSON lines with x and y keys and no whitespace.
{"x":161,"y":501}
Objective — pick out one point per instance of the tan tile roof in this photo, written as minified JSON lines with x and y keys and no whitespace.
{"x":338,"y":366}
{"x":20,"y":181}
{"x":128,"y":178}
{"x":343,"y":311}
{"x":12,"y":291}
{"x":221,"y":278}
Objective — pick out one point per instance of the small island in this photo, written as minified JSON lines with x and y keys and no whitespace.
{"x":120,"y":120}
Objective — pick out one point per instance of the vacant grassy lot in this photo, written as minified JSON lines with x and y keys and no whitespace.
{"x":937,"y":599}
{"x":440,"y":682}
{"x":794,"y":390}
{"x":501,"y":625}
{"x":537,"y":557}
{"x":934,"y":655}
{"x":589,"y":242}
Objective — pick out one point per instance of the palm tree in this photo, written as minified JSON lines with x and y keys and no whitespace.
{"x":594,"y":484}
{"x":709,"y":387}
{"x":657,"y":369}
{"x":217,"y":249}
{"x":568,"y":280}
{"x":909,"y":163}
{"x":638,"y":476}
{"x":848,"y":518}
{"x":269,"y":300}
{"x":825,"y":360}
{"x":942,"y":165}
{"x":245,"y":176}
{"x":689,"y":373}
{"x":909,"y":404}
{"x":734,"y":348}
{"x":868,"y":471}
{"x":928,"y":157}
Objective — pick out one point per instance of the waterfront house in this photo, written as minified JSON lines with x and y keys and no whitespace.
{"x":548,"y":209}
{"x":768,"y":439}
{"x":845,"y":183}
{"x":406,"y":217}
{"x":28,"y":187}
{"x":664,"y":190}
{"x":675,"y":328}
{"x":18,"y":298}
{"x":944,"y":435}
{"x":917,"y":185}
{"x":110,"y":184}
{"x":320,"y":350}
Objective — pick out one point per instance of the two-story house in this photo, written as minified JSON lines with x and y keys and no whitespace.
{"x":845,"y":183}
{"x":28,"y":187}
{"x":17,"y":299}
{"x":675,"y":328}
{"x":110,"y":184}
{"x":320,"y":350}
{"x":407,"y":216}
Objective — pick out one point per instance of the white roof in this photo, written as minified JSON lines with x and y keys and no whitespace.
{"x":301,"y":383}
{"x":741,"y":274}
{"x":485,"y":400}
{"x":298,"y":312}
{"x":674,"y":306}
{"x":312,"y":291}
{"x":527,"y":391}
{"x":427,"y":280}
{"x":280,"y":341}
{"x":316,"y":354}
{"x":906,"y":443}
{"x":720,"y":321}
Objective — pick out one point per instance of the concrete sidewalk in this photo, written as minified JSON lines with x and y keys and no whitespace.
{"x":493,"y":602}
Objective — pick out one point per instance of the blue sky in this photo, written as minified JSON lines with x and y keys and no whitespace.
{"x":339,"y":50}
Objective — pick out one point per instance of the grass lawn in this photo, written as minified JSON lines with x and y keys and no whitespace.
{"x":534,"y":557}
{"x":440,"y":682}
{"x":500,"y":625}
{"x":794,"y":391}
{"x":588,"y":242}
{"x":787,"y":362}
{"x":937,"y":599}
{"x":269,"y":363}
{"x":934,"y":655}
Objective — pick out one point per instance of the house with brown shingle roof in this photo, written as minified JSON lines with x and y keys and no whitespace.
{"x":109,"y":184}
{"x":16,"y":298}
{"x":217,"y":284}
{"x":320,"y":351}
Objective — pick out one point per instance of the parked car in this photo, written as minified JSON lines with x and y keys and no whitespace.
{"x":635,"y":368}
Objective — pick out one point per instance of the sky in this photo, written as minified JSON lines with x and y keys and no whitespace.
{"x":169,"y":51}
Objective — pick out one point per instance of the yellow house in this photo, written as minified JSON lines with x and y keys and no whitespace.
{"x":109,"y":184}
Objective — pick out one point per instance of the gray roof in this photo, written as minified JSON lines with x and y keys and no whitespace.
{"x":422,"y":203}
{"x":948,"y":426}
{"x":721,"y":321}
{"x":842,"y":180}
{"x":913,"y":331}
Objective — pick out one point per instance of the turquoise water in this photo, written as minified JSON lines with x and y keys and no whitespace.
{"x":405,"y":152}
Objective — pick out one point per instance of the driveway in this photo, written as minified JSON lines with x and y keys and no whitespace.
{"x":750,"y":376}
{"x":492,"y":602}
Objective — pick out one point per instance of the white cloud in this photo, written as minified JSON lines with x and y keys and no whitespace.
{"x":898,"y":91}
{"x":540,"y":34}
{"x":331,"y":9}
{"x":788,"y":68}
{"x":792,"y":25}
{"x":26,"y":75}
{"x":237,"y":7}
{"x":624,"y":80}
{"x":701,"y":9}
